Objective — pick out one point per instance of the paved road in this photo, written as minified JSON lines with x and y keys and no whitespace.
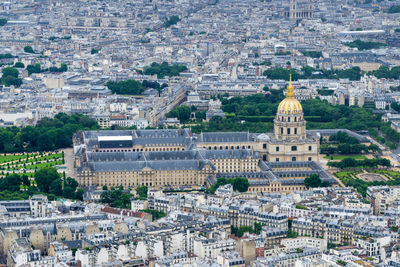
{"x":69,"y":162}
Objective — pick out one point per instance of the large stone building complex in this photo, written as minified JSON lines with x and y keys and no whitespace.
{"x":273,"y":162}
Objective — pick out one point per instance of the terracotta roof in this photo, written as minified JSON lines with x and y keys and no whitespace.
{"x":124,"y":212}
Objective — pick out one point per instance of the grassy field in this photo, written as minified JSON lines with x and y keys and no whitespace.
{"x":10,"y":158}
{"x":388,"y":173}
{"x":344,"y":176}
{"x":340,"y":157}
{"x":32,"y":161}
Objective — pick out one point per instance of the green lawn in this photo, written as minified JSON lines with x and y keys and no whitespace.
{"x":33,"y":166}
{"x":390,"y":174}
{"x":344,"y":176}
{"x":340,"y":157}
{"x":31,"y":157}
{"x":9,"y":158}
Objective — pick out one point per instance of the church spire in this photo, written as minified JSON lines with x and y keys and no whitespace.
{"x":290,"y":88}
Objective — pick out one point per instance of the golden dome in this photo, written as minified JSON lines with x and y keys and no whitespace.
{"x":290,"y":105}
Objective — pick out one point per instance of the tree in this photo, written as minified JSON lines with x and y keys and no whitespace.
{"x":395,"y":106}
{"x":69,"y":189}
{"x":142,"y":192}
{"x":348,"y":162}
{"x":128,"y":87}
{"x":19,"y":65}
{"x":79,"y":194}
{"x":72,"y":183}
{"x":10,"y":183}
{"x":34,"y":68}
{"x":3,"y":22}
{"x":257,"y":228}
{"x":116,"y":198}
{"x":156,"y":214}
{"x":181,"y":112}
{"x":56,"y":187}
{"x":291,"y":234}
{"x":48,"y":134}
{"x":45,"y":177}
{"x":313,"y":54}
{"x":361,"y":45}
{"x":68,"y":192}
{"x":164,"y":69}
{"x":10,"y":71}
{"x":312,"y":181}
{"x":241,"y":184}
{"x":29,"y":49}
{"x":11,"y":80}
{"x":394,"y":9}
{"x":171,"y":21}
{"x":25,"y":180}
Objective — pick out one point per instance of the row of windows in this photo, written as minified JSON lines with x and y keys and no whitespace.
{"x":288,"y":130}
{"x":283,"y":118}
{"x":293,"y":148}
{"x":141,"y":149}
{"x":260,"y":189}
{"x":227,"y":147}
{"x":294,"y":159}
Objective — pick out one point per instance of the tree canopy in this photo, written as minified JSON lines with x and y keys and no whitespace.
{"x":3,"y":22}
{"x":116,"y":198}
{"x":19,"y":65}
{"x":353,"y":163}
{"x":29,"y":49}
{"x":128,"y":87}
{"x":315,"y":181}
{"x":307,"y":72}
{"x":239,"y":184}
{"x":45,"y":179}
{"x":313,"y":54}
{"x":172,"y":20}
{"x":386,"y":72}
{"x":361,"y":45}
{"x":164,"y":69}
{"x":181,"y":112}
{"x":47,"y":135}
{"x":36,"y":68}
{"x":10,"y":77}
{"x":394,"y":9}
{"x":142,"y":192}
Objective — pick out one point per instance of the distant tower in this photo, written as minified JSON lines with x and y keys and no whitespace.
{"x":300,"y":9}
{"x":155,"y":5}
{"x":292,"y":9}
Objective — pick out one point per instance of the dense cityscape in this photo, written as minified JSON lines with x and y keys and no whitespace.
{"x":204,"y":133}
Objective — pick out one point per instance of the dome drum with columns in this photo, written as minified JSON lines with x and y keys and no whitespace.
{"x":289,"y":122}
{"x":290,"y":140}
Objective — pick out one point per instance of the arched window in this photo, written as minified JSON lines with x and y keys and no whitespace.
{"x":288,"y":130}
{"x":293,"y":158}
{"x":295,"y":130}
